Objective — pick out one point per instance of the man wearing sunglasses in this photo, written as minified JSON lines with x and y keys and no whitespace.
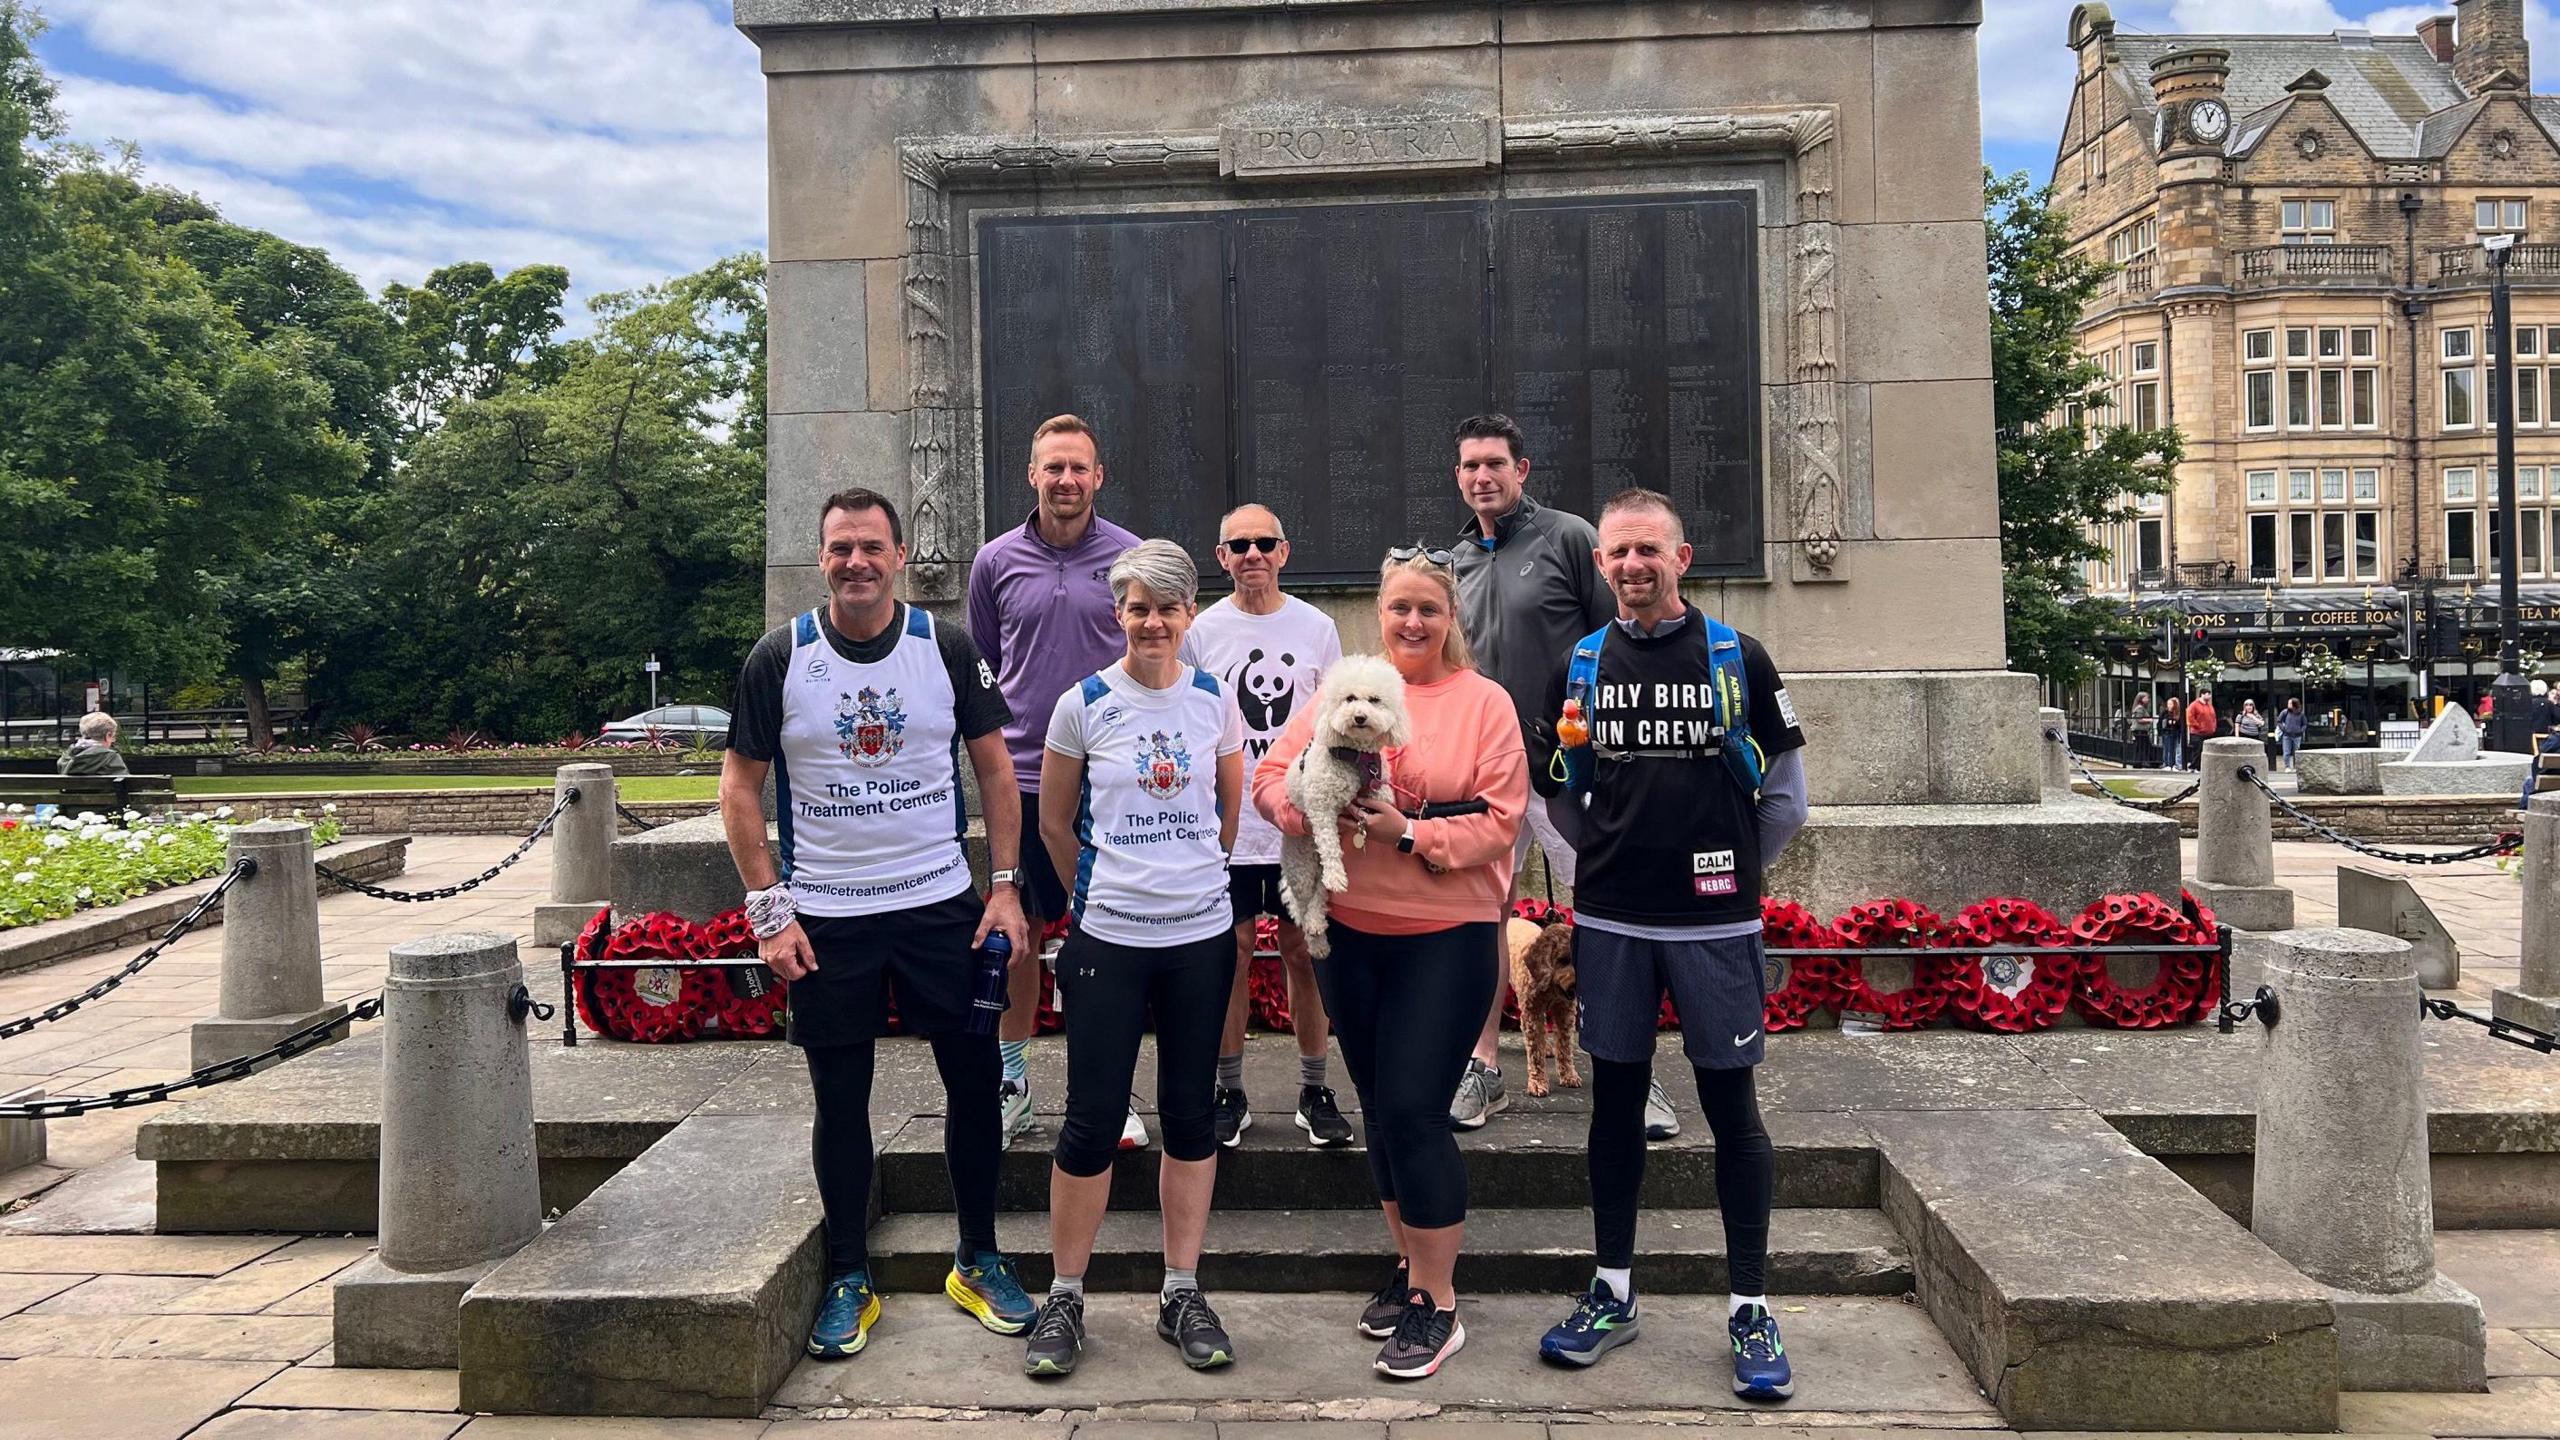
{"x":1270,"y":650}
{"x":1527,"y":590}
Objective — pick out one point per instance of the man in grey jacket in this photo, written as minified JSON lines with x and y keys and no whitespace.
{"x":94,"y":753}
{"x":1528,"y":588}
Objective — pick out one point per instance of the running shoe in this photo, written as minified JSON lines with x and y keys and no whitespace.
{"x":845,"y":1317}
{"x":1321,"y":1118}
{"x":1057,"y":1337}
{"x":1234,"y":1118}
{"x":992,"y":1291}
{"x":1424,"y":1337}
{"x":1600,"y":1323}
{"x":1015,"y":1097}
{"x":1760,"y":1369}
{"x":1188,"y":1324}
{"x":1660,"y":1121}
{"x":1133,"y":1135}
{"x":1378,"y":1318}
{"x":1479,"y":1098}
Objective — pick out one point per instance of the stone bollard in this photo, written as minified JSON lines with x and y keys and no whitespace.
{"x":2535,"y":997}
{"x":271,"y":983}
{"x":459,"y":1188}
{"x":2341,"y":1185}
{"x":581,"y":854}
{"x":21,"y":1141}
{"x":2053,"y":728}
{"x":2235,"y":842}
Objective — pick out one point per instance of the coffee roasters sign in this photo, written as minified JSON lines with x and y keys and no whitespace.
{"x":1350,"y":147}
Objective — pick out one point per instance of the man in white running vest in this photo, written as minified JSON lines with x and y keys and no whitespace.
{"x":859,"y":709}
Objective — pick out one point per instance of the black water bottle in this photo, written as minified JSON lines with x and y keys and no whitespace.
{"x":992,"y":995}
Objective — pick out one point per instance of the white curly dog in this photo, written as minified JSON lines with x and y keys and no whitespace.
{"x":1359,"y":713}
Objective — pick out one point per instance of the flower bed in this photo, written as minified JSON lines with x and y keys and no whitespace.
{"x":56,"y":866}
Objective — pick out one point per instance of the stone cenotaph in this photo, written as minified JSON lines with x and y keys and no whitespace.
{"x":1274,"y":250}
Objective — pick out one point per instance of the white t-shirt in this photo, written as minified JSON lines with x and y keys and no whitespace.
{"x":1271,"y":664}
{"x":1148,"y":872}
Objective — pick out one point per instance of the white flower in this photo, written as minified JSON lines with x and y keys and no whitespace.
{"x":225,"y":812}
{"x":168,"y":839}
{"x":17,"y":809}
{"x":133,"y":847}
{"x":331,"y":808}
{"x":84,"y":892}
{"x":297,"y":810}
{"x":24,"y":877}
{"x":130,"y":816}
{"x":56,"y":842}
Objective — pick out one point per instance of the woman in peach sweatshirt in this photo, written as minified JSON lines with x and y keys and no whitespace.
{"x":1414,"y":940}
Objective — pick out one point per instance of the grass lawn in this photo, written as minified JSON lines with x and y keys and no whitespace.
{"x":636,"y":787}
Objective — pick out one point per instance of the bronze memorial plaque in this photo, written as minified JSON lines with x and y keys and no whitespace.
{"x":1316,"y":357}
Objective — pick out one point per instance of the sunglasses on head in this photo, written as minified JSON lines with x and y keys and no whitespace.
{"x":1242,"y":543}
{"x":1406,"y":554}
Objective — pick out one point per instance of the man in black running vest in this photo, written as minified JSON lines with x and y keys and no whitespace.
{"x":1693,"y":780}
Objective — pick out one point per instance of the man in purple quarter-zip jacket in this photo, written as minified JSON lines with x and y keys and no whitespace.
{"x":1040,"y":612}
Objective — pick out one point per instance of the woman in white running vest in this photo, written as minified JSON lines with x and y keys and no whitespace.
{"x":1139,"y":792}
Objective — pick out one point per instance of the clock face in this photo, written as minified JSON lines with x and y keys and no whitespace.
{"x":2208,"y":121}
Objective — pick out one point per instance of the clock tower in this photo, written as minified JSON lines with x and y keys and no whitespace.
{"x":2193,"y":121}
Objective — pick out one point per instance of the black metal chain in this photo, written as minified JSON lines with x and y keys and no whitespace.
{"x":308,"y":1037}
{"x":2507,"y":1030}
{"x":2335,"y":836}
{"x":2163,"y":803}
{"x":635,"y":817}
{"x":345,"y":881}
{"x":134,"y":966}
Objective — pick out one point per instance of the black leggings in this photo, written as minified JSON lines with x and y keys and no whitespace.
{"x":1110,"y":990}
{"x":1407,"y":1009}
{"x":1746,"y":1165}
{"x":972,"y":1141}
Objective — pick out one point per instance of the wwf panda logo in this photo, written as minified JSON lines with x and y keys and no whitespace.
{"x":1265,"y":691}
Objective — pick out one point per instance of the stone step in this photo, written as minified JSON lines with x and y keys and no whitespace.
{"x":683,"y":1286}
{"x":1812,"y":1252}
{"x":1527,"y":1161}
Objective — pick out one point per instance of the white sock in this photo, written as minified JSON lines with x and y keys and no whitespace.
{"x":1621,"y":1283}
{"x":1067,"y":1285}
{"x":1177,"y":1281}
{"x":1733,"y":1303}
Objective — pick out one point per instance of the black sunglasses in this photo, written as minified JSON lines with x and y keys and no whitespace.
{"x":1405,"y":554}
{"x":1264,"y":543}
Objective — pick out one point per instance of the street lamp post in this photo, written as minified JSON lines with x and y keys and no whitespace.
{"x":2510,"y":699}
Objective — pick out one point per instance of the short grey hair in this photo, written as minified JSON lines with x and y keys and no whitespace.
{"x":99,"y":726}
{"x":1161,"y":566}
{"x":1279,"y":530}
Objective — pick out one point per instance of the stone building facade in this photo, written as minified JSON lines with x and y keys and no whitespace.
{"x":2305,"y":296}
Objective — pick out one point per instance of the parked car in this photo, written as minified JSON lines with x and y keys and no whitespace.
{"x":683,"y":724}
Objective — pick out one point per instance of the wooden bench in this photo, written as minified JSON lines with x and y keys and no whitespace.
{"x":106,"y":794}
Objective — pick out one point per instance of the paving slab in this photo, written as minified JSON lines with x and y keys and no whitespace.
{"x":272,"y":1278}
{"x":1812,"y":1252}
{"x":327,"y":1425}
{"x":1466,"y":1430}
{"x":17,"y":1292}
{"x":2516,"y":1273}
{"x":73,"y":1399}
{"x":117,"y":1198}
{"x":134,"y":1254}
{"x":2521,"y":1407}
{"x":120,"y":1295}
{"x":1003,"y":1428}
{"x":2513,"y":1353}
{"x":1851,"y":1354}
{"x":615,"y":1427}
{"x":2088,"y":1285}
{"x":321,"y":1387}
{"x":224,"y":1337}
{"x":94,"y":1336}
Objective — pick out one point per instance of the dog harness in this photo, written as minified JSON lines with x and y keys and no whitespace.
{"x":1733,"y":743}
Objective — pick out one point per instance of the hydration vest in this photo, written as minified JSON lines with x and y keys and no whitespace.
{"x":1740,"y":753}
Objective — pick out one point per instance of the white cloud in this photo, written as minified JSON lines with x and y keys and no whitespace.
{"x":622,"y":138}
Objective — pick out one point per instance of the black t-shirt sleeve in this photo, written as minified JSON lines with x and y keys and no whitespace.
{"x":979,"y":704}
{"x":755,"y":706}
{"x":1773,"y":721}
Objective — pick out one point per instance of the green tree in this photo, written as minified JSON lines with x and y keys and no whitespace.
{"x":2063,"y":467}
{"x":545,"y":539}
{"x":467,"y":331}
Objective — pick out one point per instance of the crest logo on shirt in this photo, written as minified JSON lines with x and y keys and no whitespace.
{"x":870,"y":727}
{"x":817,"y":667}
{"x":1164,"y":767}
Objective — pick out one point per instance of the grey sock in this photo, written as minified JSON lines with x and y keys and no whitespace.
{"x":1230,"y":1072}
{"x":1311,"y":1069}
{"x":1176,"y":1281}
{"x":1072,"y":1285}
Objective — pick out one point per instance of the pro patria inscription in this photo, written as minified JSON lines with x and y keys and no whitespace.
{"x":1447,"y":143}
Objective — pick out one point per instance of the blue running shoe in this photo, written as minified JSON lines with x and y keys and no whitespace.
{"x":845,"y":1317}
{"x":991,"y":1292}
{"x":1600,"y":1323}
{"x":1760,"y":1369}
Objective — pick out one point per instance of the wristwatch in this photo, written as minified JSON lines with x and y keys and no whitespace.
{"x":1005,"y":877}
{"x":1404,"y":842}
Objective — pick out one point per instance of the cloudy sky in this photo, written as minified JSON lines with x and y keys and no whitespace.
{"x":624,"y":138}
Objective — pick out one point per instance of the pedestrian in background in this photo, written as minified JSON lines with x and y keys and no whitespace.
{"x":2291,"y":726}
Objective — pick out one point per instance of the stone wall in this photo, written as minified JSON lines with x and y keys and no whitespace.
{"x":493,"y":811}
{"x":2390,"y":819}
